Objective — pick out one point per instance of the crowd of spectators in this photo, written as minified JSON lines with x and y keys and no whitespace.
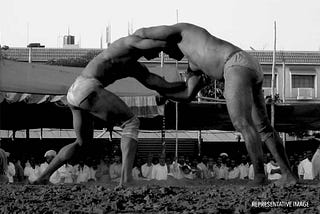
{"x":156,"y":167}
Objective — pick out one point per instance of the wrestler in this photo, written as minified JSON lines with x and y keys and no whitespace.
{"x":243,"y":77}
{"x":88,"y":98}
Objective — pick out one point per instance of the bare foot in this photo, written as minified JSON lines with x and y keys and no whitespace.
{"x":124,"y":185}
{"x":286,"y":180}
{"x":258,"y":181}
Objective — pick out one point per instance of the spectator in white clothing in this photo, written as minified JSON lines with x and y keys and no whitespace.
{"x":82,"y":172}
{"x":222,"y":169}
{"x":31,"y":170}
{"x":49,"y":155}
{"x":65,"y":172}
{"x":244,"y":167}
{"x":202,"y":166}
{"x":305,"y":170}
{"x":160,"y":170}
{"x":136,"y":171}
{"x":115,"y":168}
{"x":11,"y":170}
{"x":234,"y":171}
{"x":273,"y":170}
{"x":146,"y":168}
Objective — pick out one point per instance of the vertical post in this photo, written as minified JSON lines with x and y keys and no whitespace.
{"x":284,"y":139}
{"x":273,"y":75}
{"x":30,"y":55}
{"x":163,"y":132}
{"x":199,"y":143}
{"x":177,"y":109}
{"x":177,"y":128}
{"x":283,"y":80}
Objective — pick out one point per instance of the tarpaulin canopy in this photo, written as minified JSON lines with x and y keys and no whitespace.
{"x":33,"y":96}
{"x":32,"y":83}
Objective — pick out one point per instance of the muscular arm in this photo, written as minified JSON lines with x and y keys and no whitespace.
{"x":194,"y":83}
{"x":155,"y":82}
{"x":171,"y":33}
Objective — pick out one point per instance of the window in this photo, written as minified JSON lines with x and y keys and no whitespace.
{"x":267,"y":81}
{"x":303,"y":81}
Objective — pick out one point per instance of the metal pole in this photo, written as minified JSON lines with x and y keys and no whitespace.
{"x":163,"y":132}
{"x":177,"y":110}
{"x":177,"y":128}
{"x":199,"y":143}
{"x":283,"y":81}
{"x":272,"y":78}
{"x":30,"y":55}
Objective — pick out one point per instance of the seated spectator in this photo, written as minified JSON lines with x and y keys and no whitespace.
{"x":31,"y":170}
{"x":136,"y":171}
{"x":115,"y":168}
{"x":176,"y":168}
{"x":146,"y":168}
{"x":11,"y":169}
{"x":234,"y":171}
{"x":169,"y":163}
{"x":160,"y":170}
{"x":103,"y":174}
{"x":82,"y":172}
{"x":244,"y":167}
{"x":194,"y":169}
{"x":222,"y":170}
{"x":188,"y":173}
{"x":92,"y":164}
{"x":187,"y":161}
{"x":202,"y":161}
{"x":212,"y":168}
{"x":19,"y":176}
{"x":305,"y":170}
{"x":65,"y":172}
{"x":3,"y":166}
{"x":273,"y":170}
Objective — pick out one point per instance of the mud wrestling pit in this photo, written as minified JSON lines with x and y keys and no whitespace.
{"x":161,"y":197}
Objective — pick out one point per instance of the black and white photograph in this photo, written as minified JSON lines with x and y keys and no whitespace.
{"x":119,"y":106}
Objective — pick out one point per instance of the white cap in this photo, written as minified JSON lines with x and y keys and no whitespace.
{"x":50,"y":153}
{"x":224,"y":154}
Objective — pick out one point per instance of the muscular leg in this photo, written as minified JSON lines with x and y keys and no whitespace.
{"x":271,"y":137}
{"x":110,"y":108}
{"x":83,"y":126}
{"x":238,"y":94}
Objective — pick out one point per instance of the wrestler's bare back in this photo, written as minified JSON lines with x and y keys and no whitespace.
{"x":204,"y":51}
{"x":117,"y":61}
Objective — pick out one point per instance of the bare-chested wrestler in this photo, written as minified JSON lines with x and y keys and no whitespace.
{"x":88,"y":97}
{"x":243,"y":77}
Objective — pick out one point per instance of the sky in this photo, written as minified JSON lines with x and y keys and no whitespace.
{"x":245,"y":23}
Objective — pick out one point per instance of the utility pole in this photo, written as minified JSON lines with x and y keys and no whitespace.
{"x":273,"y":75}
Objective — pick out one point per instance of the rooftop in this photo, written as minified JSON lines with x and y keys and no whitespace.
{"x":265,"y":57}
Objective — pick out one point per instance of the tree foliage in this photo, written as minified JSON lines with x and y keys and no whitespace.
{"x":75,"y":61}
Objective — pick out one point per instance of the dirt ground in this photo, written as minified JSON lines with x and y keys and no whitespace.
{"x":161,"y":197}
